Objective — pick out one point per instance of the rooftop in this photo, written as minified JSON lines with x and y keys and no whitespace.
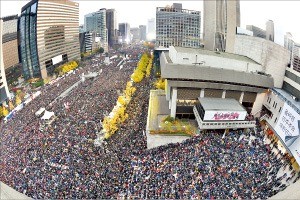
{"x":215,"y":53}
{"x":221,"y":104}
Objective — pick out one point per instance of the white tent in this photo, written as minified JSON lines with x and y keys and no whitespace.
{"x":47,"y":115}
{"x":39,"y":112}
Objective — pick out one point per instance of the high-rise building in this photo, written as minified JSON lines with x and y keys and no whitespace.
{"x":48,"y":36}
{"x":135,"y":33}
{"x":288,"y":41}
{"x":151,"y":29}
{"x":96,"y":22}
{"x":257,"y":32}
{"x":4,"y":93}
{"x":142,"y":32}
{"x":112,"y":26}
{"x":177,"y":27}
{"x":124,"y":32}
{"x":221,"y":17}
{"x":270,"y":30}
{"x":12,"y":65}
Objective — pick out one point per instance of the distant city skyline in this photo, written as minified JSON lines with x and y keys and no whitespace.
{"x":138,"y":12}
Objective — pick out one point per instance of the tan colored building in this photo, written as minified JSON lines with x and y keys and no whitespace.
{"x":4,"y":93}
{"x":50,"y":38}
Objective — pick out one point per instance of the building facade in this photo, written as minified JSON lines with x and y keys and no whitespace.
{"x":143,"y":33}
{"x":151,"y":29}
{"x":48,"y":36}
{"x":220,"y":19}
{"x":112,"y":26}
{"x":124,"y":33}
{"x":177,"y":27}
{"x":4,"y":93}
{"x":12,"y":65}
{"x":270,"y":30}
{"x":96,"y":22}
{"x":257,"y":32}
{"x":273,"y":57}
{"x":291,"y":82}
{"x":211,"y":75}
{"x":281,"y":112}
{"x":135,"y":34}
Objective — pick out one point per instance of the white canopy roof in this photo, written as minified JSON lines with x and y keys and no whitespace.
{"x":47,"y":115}
{"x":39,"y":112}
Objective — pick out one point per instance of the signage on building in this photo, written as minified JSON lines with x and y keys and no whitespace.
{"x":56,"y":59}
{"x":288,"y":129}
{"x":224,"y":115}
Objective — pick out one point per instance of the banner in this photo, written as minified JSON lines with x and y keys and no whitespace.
{"x":224,"y":115}
{"x":288,"y":129}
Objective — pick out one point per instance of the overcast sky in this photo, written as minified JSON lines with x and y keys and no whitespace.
{"x":285,"y":14}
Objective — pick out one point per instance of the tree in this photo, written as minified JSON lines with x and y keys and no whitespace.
{"x":10,"y":105}
{"x":5,"y":112}
{"x":160,"y":84}
{"x":18,"y":100}
{"x":1,"y":112}
{"x":101,"y":50}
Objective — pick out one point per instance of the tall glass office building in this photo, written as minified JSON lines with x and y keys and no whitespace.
{"x":48,"y":36}
{"x":177,"y":27}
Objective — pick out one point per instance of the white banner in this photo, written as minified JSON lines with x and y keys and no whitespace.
{"x":224,"y":115}
{"x":287,"y":128}
{"x":56,"y":59}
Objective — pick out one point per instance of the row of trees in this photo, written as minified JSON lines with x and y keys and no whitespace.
{"x":118,"y":114}
{"x":65,"y":68}
{"x":4,"y":111}
{"x":88,"y":53}
{"x":143,"y":68}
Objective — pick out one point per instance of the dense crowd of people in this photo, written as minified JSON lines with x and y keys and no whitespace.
{"x":60,"y":160}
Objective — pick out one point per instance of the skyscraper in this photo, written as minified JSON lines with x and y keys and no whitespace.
{"x":151,"y":29}
{"x":221,"y":17}
{"x":12,"y":66}
{"x":48,"y":36}
{"x":111,"y":25}
{"x":257,"y":32}
{"x":142,"y":32}
{"x":96,"y":22}
{"x":124,"y":33}
{"x":177,"y":27}
{"x":288,"y":41}
{"x":4,"y":94}
{"x":270,"y":30}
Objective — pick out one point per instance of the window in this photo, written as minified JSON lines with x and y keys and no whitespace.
{"x":273,"y":104}
{"x":279,"y":109}
{"x":275,"y":120}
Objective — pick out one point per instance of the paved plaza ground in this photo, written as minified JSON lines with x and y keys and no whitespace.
{"x":8,"y":193}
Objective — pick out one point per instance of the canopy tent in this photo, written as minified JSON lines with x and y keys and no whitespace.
{"x":47,"y":115}
{"x":39,"y":112}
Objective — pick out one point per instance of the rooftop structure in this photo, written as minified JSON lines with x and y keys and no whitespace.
{"x":218,"y":104}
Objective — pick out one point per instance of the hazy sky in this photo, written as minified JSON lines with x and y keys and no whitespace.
{"x":285,"y":14}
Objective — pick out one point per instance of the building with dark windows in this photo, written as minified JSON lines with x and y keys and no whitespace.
{"x":177,"y":27}
{"x":135,"y":34}
{"x":48,"y":35}
{"x":96,"y":22}
{"x":12,"y":65}
{"x":4,"y":93}
{"x":112,"y":26}
{"x":124,"y":33}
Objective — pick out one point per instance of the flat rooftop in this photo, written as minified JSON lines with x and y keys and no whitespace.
{"x":214,"y":53}
{"x":221,"y":104}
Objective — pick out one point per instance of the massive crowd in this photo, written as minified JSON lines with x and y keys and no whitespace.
{"x":60,"y":160}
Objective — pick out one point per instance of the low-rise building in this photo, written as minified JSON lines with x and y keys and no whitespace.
{"x":193,"y":73}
